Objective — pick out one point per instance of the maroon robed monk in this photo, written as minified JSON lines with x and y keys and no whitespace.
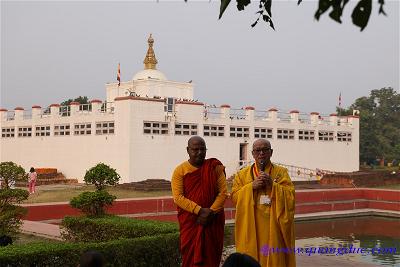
{"x":199,"y":191}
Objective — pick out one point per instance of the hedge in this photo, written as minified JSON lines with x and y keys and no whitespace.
{"x":160,"y":250}
{"x":99,"y":229}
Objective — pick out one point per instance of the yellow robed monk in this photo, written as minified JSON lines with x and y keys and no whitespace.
{"x":264,"y":222}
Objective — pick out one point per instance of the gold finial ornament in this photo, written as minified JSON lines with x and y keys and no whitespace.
{"x":150,"y":60}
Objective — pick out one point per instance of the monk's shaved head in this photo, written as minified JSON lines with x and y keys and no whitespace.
{"x":195,"y":139}
{"x":261,"y":142}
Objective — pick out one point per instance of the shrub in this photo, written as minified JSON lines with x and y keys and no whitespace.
{"x":155,"y":251}
{"x":10,"y":173}
{"x":111,"y":227}
{"x":10,"y":214}
{"x":101,"y":175}
{"x":92,"y":203}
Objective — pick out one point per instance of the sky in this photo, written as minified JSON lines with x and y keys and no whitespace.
{"x":52,"y":51}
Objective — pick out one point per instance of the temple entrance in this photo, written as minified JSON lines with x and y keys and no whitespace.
{"x":243,"y":154}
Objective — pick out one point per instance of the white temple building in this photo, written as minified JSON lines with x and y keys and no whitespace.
{"x":143,"y":127}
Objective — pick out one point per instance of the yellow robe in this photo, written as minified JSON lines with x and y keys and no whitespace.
{"x":260,"y":228}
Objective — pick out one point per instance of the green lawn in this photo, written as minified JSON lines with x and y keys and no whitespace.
{"x":62,"y":193}
{"x":393,"y":186}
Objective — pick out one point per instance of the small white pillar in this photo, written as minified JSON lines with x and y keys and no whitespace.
{"x":273,"y":114}
{"x":19,"y":114}
{"x":249,"y":113}
{"x":314,"y":117}
{"x":55,"y":110}
{"x":333,"y":119}
{"x":294,"y":116}
{"x":3,"y":114}
{"x":36,"y":112}
{"x":96,"y":105}
{"x":225,"y":111}
{"x":74,"y":108}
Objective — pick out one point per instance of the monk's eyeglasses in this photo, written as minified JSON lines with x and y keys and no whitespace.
{"x":264,"y":150}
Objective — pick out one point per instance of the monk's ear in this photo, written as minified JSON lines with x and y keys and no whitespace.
{"x":272,"y":151}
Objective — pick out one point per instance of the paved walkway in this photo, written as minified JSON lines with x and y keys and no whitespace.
{"x":41,"y":229}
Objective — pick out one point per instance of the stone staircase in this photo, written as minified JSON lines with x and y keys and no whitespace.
{"x":148,"y":185}
{"x":48,"y":176}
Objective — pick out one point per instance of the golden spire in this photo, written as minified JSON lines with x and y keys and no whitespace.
{"x":150,"y":60}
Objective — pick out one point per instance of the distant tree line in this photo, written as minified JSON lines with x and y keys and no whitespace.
{"x":379,"y":125}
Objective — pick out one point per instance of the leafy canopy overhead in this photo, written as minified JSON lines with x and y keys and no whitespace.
{"x":360,"y":15}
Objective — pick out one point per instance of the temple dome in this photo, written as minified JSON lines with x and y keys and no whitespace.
{"x":149,"y":74}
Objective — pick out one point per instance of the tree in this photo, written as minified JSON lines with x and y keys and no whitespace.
{"x":379,"y":124}
{"x":11,"y":214}
{"x":65,"y":108}
{"x":80,"y":99}
{"x":93,"y":203}
{"x":10,"y":173}
{"x":360,"y":15}
{"x":101,"y":175}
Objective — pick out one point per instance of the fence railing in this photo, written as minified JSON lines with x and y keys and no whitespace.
{"x":296,"y":173}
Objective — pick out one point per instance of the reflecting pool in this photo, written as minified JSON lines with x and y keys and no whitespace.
{"x":371,"y":239}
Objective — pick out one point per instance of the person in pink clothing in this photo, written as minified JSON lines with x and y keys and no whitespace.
{"x":32,"y":175}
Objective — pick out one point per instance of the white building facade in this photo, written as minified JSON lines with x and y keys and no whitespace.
{"x":143,"y":126}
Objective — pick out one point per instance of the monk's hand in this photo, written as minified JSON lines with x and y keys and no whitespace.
{"x":258,"y":183}
{"x":267,"y":180}
{"x":204,"y":216}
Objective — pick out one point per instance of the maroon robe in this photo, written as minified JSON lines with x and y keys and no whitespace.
{"x":201,"y":245}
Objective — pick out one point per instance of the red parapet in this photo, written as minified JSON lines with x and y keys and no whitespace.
{"x":225,"y":106}
{"x":249,"y":108}
{"x":36,"y":106}
{"x":19,"y":108}
{"x":273,"y":109}
{"x":96,"y":101}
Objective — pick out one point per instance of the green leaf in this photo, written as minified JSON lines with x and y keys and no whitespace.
{"x":268,"y":5}
{"x":361,"y":13}
{"x":241,"y":4}
{"x":223,"y":6}
{"x":323,"y":6}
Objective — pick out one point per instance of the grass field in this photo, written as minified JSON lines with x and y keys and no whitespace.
{"x":62,"y":193}
{"x":393,"y":186}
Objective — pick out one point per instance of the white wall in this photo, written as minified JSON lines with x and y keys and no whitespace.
{"x":138,"y":156}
